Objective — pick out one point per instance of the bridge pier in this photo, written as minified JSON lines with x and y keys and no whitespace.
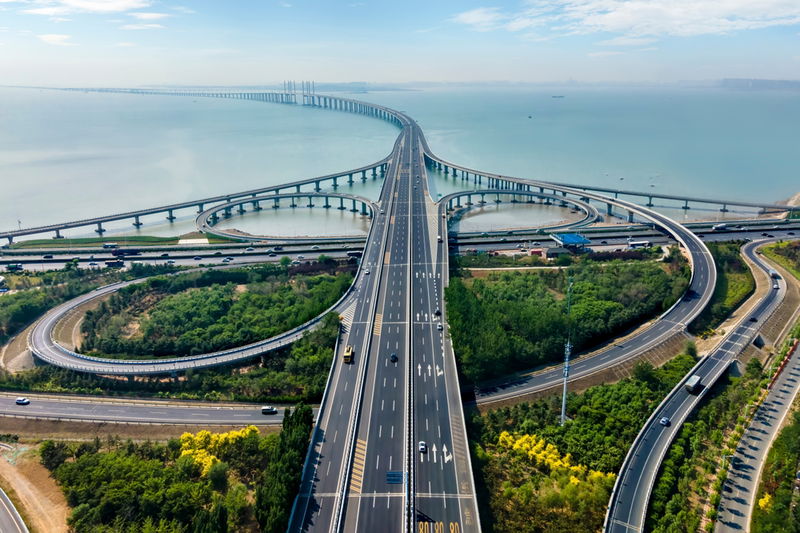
{"x":100,"y":229}
{"x":137,"y":222}
{"x":199,"y":208}
{"x":724,"y":208}
{"x":227,"y":212}
{"x":292,"y":204}
{"x":327,"y":203}
{"x":363,"y":209}
{"x":310,"y":202}
{"x":277,"y":203}
{"x":686,"y":205}
{"x":630,"y":217}
{"x":609,"y":209}
{"x":11,"y":239}
{"x":649,"y":201}
{"x":335,"y":182}
{"x":214,"y":218}
{"x":497,"y":198}
{"x":317,"y":187}
{"x":297,"y":188}
{"x":458,"y":201}
{"x":483,"y":198}
{"x":240,"y":209}
{"x":341,"y":204}
{"x":256,"y":205}
{"x":170,"y":215}
{"x":469,"y":199}
{"x":354,"y":210}
{"x":374,"y":172}
{"x":350,"y":179}
{"x":363,"y":175}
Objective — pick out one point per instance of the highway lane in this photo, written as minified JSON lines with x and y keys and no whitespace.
{"x":629,"y":501}
{"x":741,"y":486}
{"x":53,"y":407}
{"x":326,"y":477}
{"x":10,"y":520}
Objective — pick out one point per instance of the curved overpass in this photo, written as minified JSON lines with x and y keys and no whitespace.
{"x":205,"y":221}
{"x":672,"y":322}
{"x":627,"y":511}
{"x":591,"y":214}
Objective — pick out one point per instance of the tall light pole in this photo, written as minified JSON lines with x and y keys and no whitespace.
{"x":567,"y":353}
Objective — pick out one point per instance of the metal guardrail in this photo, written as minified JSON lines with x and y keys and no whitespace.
{"x":6,"y":502}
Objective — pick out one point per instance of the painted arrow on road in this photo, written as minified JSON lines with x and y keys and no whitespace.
{"x":434,"y":453}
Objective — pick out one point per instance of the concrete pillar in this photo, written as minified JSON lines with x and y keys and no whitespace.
{"x":277,"y":203}
{"x":363,"y":175}
{"x":724,"y":208}
{"x":297,"y":188}
{"x":137,"y":222}
{"x":630,"y":216}
{"x":609,"y":209}
{"x":240,"y":209}
{"x":341,"y":204}
{"x":327,"y":202}
{"x":458,"y":201}
{"x":57,"y":236}
{"x":363,"y":208}
{"x":100,"y":229}
{"x":256,"y":205}
{"x":293,"y":204}
{"x":316,"y":186}
{"x":170,"y":215}
{"x":227,"y":212}
{"x":374,"y":172}
{"x":335,"y":182}
{"x":483,"y":198}
{"x":686,"y":205}
{"x":199,"y":208}
{"x":649,"y":201}
{"x":497,"y":198}
{"x":310,"y":202}
{"x":350,"y":179}
{"x":354,"y":210}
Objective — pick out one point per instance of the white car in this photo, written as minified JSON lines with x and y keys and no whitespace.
{"x":423,"y":447}
{"x":366,"y":271}
{"x":22,"y":401}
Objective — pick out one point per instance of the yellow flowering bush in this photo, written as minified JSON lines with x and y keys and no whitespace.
{"x":205,"y":447}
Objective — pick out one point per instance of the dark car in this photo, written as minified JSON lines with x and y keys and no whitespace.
{"x":197,"y":258}
{"x":164,"y":255}
{"x":47,"y":256}
{"x":393,"y":357}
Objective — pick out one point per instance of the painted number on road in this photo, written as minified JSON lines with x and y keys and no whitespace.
{"x":438,"y":527}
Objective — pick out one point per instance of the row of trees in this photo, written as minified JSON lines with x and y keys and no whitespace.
{"x":535,"y":475}
{"x":116,"y":486}
{"x":208,"y":311}
{"x":516,"y":320}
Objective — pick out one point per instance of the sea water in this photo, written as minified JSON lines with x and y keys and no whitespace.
{"x":73,"y":155}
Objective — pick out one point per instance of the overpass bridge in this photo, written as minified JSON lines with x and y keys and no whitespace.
{"x":394,"y":311}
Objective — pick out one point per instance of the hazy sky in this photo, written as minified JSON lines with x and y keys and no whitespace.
{"x":126,"y":42}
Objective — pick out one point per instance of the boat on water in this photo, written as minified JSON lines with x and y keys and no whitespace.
{"x":557,"y":96}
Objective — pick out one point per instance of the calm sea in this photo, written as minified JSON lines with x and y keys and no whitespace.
{"x":66,"y":155}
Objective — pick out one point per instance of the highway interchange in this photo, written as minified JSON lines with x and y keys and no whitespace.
{"x":367,"y":467}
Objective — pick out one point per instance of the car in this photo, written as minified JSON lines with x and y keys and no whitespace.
{"x":295,"y":262}
{"x":47,"y":256}
{"x":217,"y":253}
{"x":92,"y":264}
{"x":249,"y":249}
{"x":22,"y":401}
{"x":315,"y":247}
{"x":366,"y":271}
{"x":537,"y":243}
{"x":753,"y":319}
{"x":301,"y":257}
{"x":664,"y":421}
{"x":278,"y":248}
{"x":272,"y":254}
{"x":171,"y":262}
{"x":770,"y":235}
{"x":393,"y":357}
{"x":164,"y":255}
{"x":197,"y":258}
{"x":764,"y":234}
{"x":439,"y":326}
{"x":227,"y":260}
{"x":423,"y":447}
{"x":437,"y":312}
{"x":382,"y":211}
{"x":603,"y":242}
{"x":790,"y":233}
{"x":269,"y":410}
{"x":774,"y":285}
{"x":701,"y":235}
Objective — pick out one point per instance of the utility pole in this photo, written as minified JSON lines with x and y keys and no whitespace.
{"x":567,"y":353}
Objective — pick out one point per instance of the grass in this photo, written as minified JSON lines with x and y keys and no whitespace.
{"x":94,"y":241}
{"x":771,"y":252}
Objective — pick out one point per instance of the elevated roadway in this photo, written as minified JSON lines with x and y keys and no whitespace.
{"x":627,"y":511}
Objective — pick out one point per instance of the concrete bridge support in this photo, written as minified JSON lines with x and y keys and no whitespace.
{"x":137,"y":222}
{"x":483,"y":198}
{"x":276,"y":204}
{"x":317,"y":187}
{"x":227,"y":212}
{"x":649,"y":201}
{"x":200,"y":208}
{"x":350,"y":179}
{"x":240,"y":209}
{"x":57,"y":236}
{"x":354,"y":209}
{"x":327,"y":203}
{"x":364,"y":209}
{"x":336,"y":182}
{"x":363,"y":175}
{"x":630,"y":217}
{"x":100,"y":229}
{"x":341,"y":204}
{"x":724,"y":208}
{"x":170,"y":215}
{"x":686,"y":205}
{"x":256,"y":205}
{"x":609,"y":209}
{"x":310,"y":202}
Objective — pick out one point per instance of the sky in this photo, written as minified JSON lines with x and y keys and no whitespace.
{"x":254,"y":42}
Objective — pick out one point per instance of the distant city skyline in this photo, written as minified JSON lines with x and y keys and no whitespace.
{"x":134,"y":42}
